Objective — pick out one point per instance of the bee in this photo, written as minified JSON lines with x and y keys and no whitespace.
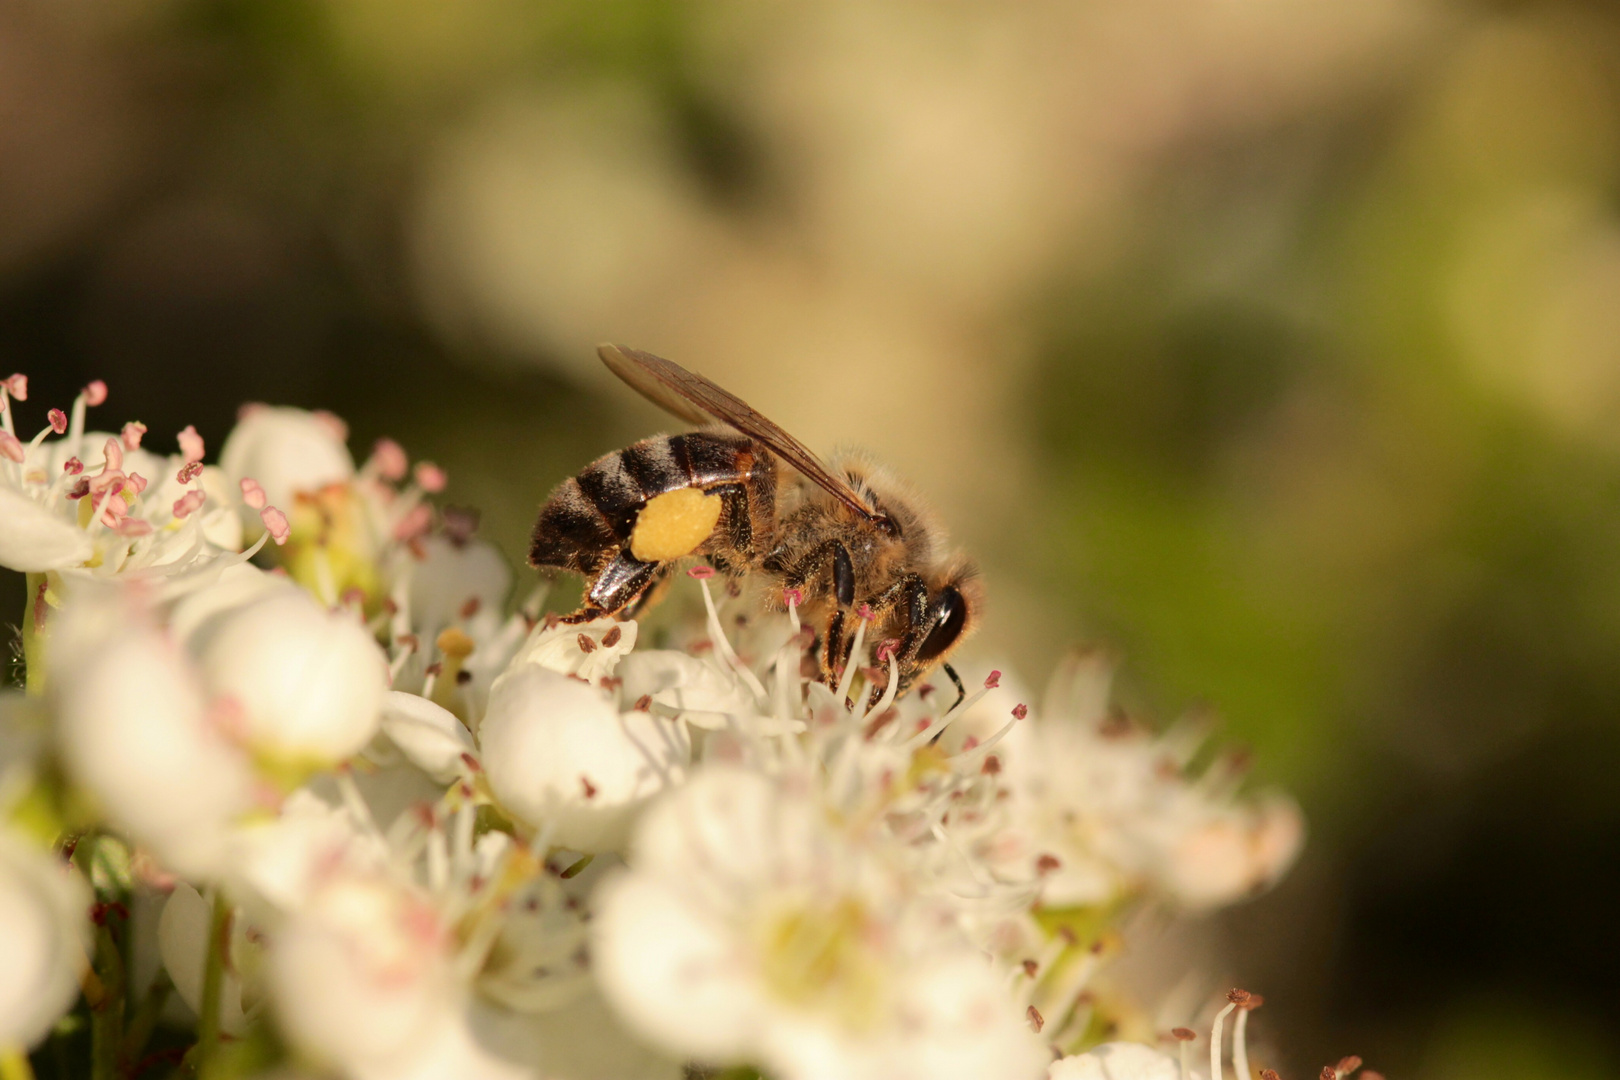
{"x":845,"y":540}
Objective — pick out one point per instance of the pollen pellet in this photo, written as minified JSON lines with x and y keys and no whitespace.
{"x":674,"y":524}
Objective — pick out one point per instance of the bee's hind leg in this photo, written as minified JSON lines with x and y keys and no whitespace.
{"x":616,"y":586}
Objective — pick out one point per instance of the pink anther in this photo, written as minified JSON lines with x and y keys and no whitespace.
{"x":700,"y":573}
{"x":189,"y":472}
{"x":887,"y":649}
{"x":418,"y":521}
{"x":792,"y":597}
{"x":188,"y":504}
{"x":864,"y":612}
{"x":113,"y":452}
{"x":95,"y":393}
{"x":137,"y":482}
{"x":73,"y":466}
{"x":389,"y":458}
{"x":275,"y":523}
{"x":1020,"y":711}
{"x":58,"y":420}
{"x":252,"y":493}
{"x":992,"y":680}
{"x":11,"y":448}
{"x":132,"y":434}
{"x":134,"y":527}
{"x":430,"y":477}
{"x":191,"y":445}
{"x":17,"y":387}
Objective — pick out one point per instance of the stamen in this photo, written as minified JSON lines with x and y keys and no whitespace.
{"x":191,"y":445}
{"x":853,"y":661}
{"x":722,"y":644}
{"x":132,"y":433}
{"x":252,"y":493}
{"x":1233,"y":998}
{"x":275,"y":523}
{"x":1240,"y":1036}
{"x":1036,"y":1021}
{"x":1185,"y":1037}
{"x":11,"y":448}
{"x":430,"y":477}
{"x":189,"y":472}
{"x":17,"y":386}
{"x":73,"y":466}
{"x":95,"y":393}
{"x":389,"y":460}
{"x":58,"y":420}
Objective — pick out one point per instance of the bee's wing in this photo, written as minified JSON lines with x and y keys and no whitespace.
{"x":697,"y":400}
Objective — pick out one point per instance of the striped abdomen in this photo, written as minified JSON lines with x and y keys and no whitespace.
{"x":587,"y":524}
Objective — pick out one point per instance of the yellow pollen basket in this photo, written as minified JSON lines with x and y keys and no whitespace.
{"x":674,"y":524}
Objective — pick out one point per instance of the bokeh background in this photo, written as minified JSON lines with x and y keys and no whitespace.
{"x":1275,"y":343}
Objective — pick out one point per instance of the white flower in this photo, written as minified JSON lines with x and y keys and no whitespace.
{"x":97,"y":506}
{"x":428,"y":734}
{"x":287,"y":451}
{"x":752,"y":930}
{"x":305,"y":685}
{"x":1103,"y":809}
{"x":560,"y":756}
{"x":135,"y":729}
{"x":44,"y":935}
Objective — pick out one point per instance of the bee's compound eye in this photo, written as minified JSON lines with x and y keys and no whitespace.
{"x":950,"y":616}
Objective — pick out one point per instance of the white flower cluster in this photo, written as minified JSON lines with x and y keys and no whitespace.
{"x":390,"y":828}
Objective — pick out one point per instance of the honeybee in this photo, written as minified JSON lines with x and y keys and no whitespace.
{"x":847,"y":540}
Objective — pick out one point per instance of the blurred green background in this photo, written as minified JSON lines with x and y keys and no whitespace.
{"x":1274,"y":342}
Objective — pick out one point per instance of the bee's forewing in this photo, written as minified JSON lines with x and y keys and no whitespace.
{"x":696,"y":400}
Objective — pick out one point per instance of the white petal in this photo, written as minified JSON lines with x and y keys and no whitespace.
{"x":361,"y":976}
{"x":427,"y":733}
{"x":1117,"y":1061}
{"x":674,"y":976}
{"x":183,"y":936}
{"x":44,"y":935}
{"x":559,"y":755}
{"x":583,"y":1040}
{"x":449,"y":576}
{"x":33,"y":539}
{"x":557,"y":648}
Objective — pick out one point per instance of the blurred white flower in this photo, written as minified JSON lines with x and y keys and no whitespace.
{"x":44,"y":939}
{"x":365,"y":979}
{"x":1117,"y":1061}
{"x":751,"y":929}
{"x":301,"y":686}
{"x":462,"y":583}
{"x":561,"y":756}
{"x":136,"y":730}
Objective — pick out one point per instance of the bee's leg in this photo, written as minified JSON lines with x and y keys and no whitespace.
{"x":956,"y":680}
{"x":910,"y":594}
{"x":615,"y":587}
{"x":832,"y":649}
{"x":650,"y":595}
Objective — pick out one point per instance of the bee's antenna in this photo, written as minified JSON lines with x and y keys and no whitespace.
{"x":956,"y":680}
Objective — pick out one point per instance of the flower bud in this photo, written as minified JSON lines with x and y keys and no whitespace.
{"x":305,"y":684}
{"x":560,"y":755}
{"x":134,"y":730}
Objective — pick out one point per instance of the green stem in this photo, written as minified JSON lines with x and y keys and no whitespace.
{"x":144,"y":1021}
{"x":14,"y":1065}
{"x":33,"y":643}
{"x":213,"y":980}
{"x":107,"y":1019}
